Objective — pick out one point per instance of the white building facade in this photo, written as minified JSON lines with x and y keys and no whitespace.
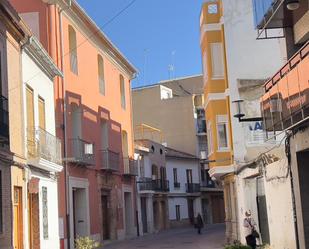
{"x":259,"y":182}
{"x":152,"y":187}
{"x":43,"y":149}
{"x":184,"y":198}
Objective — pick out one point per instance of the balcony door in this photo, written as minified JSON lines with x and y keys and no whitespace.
{"x":30,"y":122}
{"x":189,"y":176}
{"x":125,"y":151}
{"x":76,"y":122}
{"x":104,"y":135}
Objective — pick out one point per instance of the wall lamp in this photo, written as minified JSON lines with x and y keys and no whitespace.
{"x":292,"y":4}
{"x":240,"y":115}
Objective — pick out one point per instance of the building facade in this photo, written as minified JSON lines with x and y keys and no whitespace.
{"x":184,"y":198}
{"x":93,"y":120}
{"x":233,"y":86}
{"x":43,"y":148}
{"x":153,"y":187}
{"x":12,"y":37}
{"x":284,"y":106}
{"x":176,"y":109}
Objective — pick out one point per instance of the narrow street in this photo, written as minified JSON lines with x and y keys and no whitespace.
{"x":181,"y":238}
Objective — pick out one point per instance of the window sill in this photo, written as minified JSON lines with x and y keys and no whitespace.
{"x":223,"y":150}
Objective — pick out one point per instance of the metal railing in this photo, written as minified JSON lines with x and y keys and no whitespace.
{"x":109,"y":160}
{"x":4,"y":118}
{"x":147,"y":184}
{"x":208,"y":184}
{"x":130,"y":166}
{"x":42,"y":144}
{"x":193,"y":187}
{"x":81,"y":152}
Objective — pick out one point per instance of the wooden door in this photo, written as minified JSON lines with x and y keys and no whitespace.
{"x":217,"y":203}
{"x":105,"y":219}
{"x":18,"y":219}
{"x":144,"y":214}
{"x":191,"y":210}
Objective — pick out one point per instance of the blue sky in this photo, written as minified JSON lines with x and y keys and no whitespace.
{"x":153,"y":34}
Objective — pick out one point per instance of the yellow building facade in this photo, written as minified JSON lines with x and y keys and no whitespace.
{"x":217,"y":106}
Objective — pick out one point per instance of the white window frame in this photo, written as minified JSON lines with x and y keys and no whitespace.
{"x":166,"y":90}
{"x":209,"y":139}
{"x":214,"y":49}
{"x":223,"y":120}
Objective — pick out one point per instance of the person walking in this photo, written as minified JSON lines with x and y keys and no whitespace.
{"x":199,"y":223}
{"x":250,"y":230}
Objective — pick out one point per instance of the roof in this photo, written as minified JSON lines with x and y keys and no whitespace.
{"x":179,"y":154}
{"x":184,"y":86}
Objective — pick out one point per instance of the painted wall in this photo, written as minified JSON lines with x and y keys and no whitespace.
{"x":174,"y":117}
{"x":182,"y":202}
{"x":240,"y":40}
{"x":181,"y":166}
{"x":42,"y":87}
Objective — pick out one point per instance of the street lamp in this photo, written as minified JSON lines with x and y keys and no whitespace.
{"x":240,"y":115}
{"x":292,"y":4}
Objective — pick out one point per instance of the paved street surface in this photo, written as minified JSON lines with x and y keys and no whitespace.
{"x":183,"y":238}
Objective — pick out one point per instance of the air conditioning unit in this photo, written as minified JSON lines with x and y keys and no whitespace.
{"x":203,"y":155}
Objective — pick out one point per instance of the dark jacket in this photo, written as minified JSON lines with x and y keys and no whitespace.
{"x":199,"y":221}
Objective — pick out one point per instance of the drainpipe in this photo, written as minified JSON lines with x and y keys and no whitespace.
{"x":69,"y":4}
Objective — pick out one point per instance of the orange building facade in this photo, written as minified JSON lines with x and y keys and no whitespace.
{"x":93,"y":120}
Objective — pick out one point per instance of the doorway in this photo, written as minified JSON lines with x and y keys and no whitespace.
{"x":191,"y":210}
{"x":303,"y":174}
{"x":80,"y":212}
{"x":18,"y":218}
{"x":33,"y":221}
{"x":217,"y":203}
{"x":144,"y":214}
{"x":128,"y":212}
{"x":105,"y":216}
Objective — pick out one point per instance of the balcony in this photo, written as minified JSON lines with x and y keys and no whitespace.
{"x":81,"y":152}
{"x":44,"y":149}
{"x":285,"y":103}
{"x":273,"y":14}
{"x":109,"y":160}
{"x":4,"y":120}
{"x":130,"y":167}
{"x":208,"y":184}
{"x":201,"y":127}
{"x":147,"y":184}
{"x":193,"y":187}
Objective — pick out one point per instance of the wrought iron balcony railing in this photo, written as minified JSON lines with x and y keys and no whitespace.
{"x":193,"y":187}
{"x":208,"y":184}
{"x":4,"y":120}
{"x":130,"y":166}
{"x":42,"y":144}
{"x":147,"y":184}
{"x":81,"y":152}
{"x":109,"y":160}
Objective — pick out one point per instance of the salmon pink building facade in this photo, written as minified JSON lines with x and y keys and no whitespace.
{"x":93,"y":120}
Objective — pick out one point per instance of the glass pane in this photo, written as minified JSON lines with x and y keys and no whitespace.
{"x":222,"y":136}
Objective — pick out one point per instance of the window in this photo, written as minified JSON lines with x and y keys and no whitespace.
{"x":41,"y":113}
{"x":73,"y":50}
{"x":175,"y":175}
{"x":45,"y":212}
{"x":209,"y":138}
{"x":1,"y":221}
{"x":212,"y":8}
{"x":177,"y":212}
{"x":189,"y":176}
{"x":222,"y":132}
{"x":166,"y":93}
{"x":101,"y":75}
{"x":122,"y":92}
{"x":217,"y":60}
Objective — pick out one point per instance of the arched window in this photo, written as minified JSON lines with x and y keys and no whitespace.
{"x":122,"y":92}
{"x":73,"y":50}
{"x":101,"y":74}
